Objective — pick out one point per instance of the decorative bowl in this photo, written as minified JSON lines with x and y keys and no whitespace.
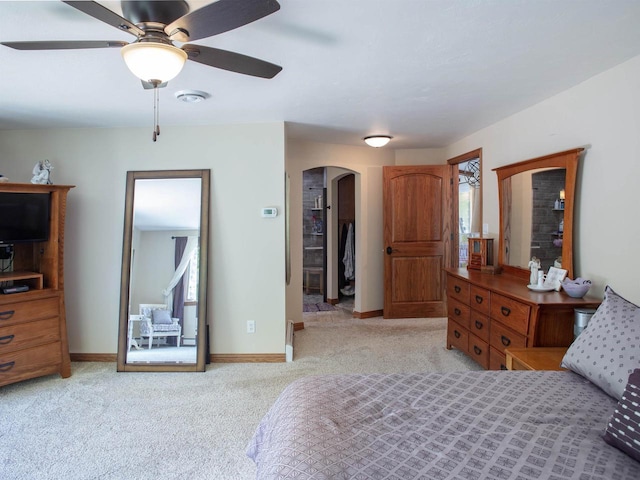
{"x":577,"y":288}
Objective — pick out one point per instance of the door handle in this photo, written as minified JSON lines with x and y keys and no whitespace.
{"x":389,"y":250}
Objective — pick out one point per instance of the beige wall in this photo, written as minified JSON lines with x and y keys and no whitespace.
{"x":600,"y":114}
{"x":246,"y":274}
{"x":421,"y":156}
{"x":366,"y":163}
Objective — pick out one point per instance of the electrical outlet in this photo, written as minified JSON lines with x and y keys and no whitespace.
{"x":251,"y":326}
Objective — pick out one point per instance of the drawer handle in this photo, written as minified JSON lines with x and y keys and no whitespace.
{"x":457,"y":311}
{"x":456,"y":333}
{"x":6,"y":339}
{"x":479,"y":299}
{"x":479,"y":325}
{"x":7,"y":315}
{"x":5,"y":367}
{"x":477,"y":349}
{"x":505,"y":341}
{"x":505,"y":311}
{"x":457,"y":289}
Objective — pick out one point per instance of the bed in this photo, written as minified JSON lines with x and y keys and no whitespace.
{"x":468,"y":425}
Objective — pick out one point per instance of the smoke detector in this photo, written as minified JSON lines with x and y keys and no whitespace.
{"x":191,"y":96}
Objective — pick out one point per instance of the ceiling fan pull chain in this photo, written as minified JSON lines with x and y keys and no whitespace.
{"x":155,"y":112}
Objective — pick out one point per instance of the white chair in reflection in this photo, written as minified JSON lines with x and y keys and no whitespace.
{"x":157,"y":322}
{"x":131,"y":334}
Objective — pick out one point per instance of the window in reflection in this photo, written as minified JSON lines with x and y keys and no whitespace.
{"x":469,"y":206}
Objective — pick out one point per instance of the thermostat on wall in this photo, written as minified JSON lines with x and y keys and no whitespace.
{"x":270,"y":212}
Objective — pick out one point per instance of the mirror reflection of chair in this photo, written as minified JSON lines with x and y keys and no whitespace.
{"x":157,"y":322}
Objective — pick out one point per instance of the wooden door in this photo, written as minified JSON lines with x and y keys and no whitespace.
{"x":417,"y":240}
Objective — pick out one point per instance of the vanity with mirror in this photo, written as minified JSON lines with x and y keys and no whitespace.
{"x":163,"y":301}
{"x":489,"y":313}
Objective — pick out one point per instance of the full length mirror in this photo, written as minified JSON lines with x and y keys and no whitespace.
{"x":163,"y":300}
{"x":537,"y":199}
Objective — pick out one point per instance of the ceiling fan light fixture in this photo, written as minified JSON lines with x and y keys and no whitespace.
{"x":377,"y":141}
{"x":154,"y":62}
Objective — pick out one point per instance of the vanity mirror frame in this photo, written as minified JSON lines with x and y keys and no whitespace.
{"x":202,"y":342}
{"x":568,"y":160}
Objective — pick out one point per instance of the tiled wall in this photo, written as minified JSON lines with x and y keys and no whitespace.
{"x":546,"y":219}
{"x":312,"y":184}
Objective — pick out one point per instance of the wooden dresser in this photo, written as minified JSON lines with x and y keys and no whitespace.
{"x":33,"y":330}
{"x":488,"y":313}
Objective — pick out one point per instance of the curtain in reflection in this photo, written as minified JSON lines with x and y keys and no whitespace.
{"x":178,"y":290}
{"x":474,"y":196}
{"x":507,"y":202}
{"x":191,"y":245}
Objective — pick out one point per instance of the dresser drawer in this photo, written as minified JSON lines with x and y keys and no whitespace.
{"x":459,"y":312}
{"x":457,"y":336}
{"x":497,"y":359}
{"x":479,"y":300}
{"x":19,"y":312}
{"x":479,"y":350}
{"x":31,"y":334}
{"x":29,"y":363}
{"x":479,"y":325}
{"x":458,"y":289}
{"x":510,"y":312}
{"x":501,"y":337}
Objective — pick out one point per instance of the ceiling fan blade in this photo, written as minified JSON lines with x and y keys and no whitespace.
{"x":63,"y":45}
{"x":222,"y":16}
{"x":234,"y":62}
{"x":107,"y":16}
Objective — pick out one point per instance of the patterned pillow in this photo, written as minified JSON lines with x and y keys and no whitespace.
{"x":608,"y":350}
{"x":623,"y":429}
{"x":161,"y":316}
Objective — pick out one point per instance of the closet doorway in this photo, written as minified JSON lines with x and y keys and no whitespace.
{"x":345,"y":261}
{"x":314,"y":239}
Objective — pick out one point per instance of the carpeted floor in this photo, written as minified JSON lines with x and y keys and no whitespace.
{"x":100,"y":424}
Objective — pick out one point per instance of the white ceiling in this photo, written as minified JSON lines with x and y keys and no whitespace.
{"x":163,"y":204}
{"x":428,"y":72}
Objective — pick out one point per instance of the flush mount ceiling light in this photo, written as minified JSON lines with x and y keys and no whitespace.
{"x":191,"y":96}
{"x":154,"y":62}
{"x":377,"y":141}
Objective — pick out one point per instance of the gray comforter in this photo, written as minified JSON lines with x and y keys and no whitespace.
{"x":468,"y":425}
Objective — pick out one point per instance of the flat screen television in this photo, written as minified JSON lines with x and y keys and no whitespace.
{"x":24,"y":217}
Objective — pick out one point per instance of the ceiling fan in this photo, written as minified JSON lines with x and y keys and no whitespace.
{"x":153,"y":57}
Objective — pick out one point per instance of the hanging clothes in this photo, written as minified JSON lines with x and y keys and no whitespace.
{"x":343,"y":241}
{"x":349,"y":258}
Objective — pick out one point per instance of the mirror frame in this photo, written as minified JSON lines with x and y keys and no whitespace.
{"x":568,"y":160}
{"x":203,"y":338}
{"x":454,"y":163}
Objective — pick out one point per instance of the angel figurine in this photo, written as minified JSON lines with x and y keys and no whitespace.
{"x":42,"y":173}
{"x":534,"y":266}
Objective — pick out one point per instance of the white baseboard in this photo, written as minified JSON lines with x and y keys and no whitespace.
{"x":289,"y":345}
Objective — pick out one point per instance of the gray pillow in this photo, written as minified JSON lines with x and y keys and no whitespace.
{"x":608,"y":349}
{"x":161,"y":316}
{"x":623,"y":429}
